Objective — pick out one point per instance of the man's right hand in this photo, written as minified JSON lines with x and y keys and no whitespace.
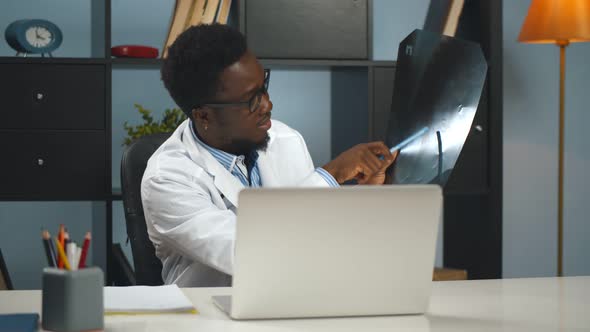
{"x":361,"y":162}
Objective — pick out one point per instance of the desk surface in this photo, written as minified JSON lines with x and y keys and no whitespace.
{"x":490,"y":305}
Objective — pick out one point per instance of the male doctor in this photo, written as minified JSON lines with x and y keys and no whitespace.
{"x":191,"y":183}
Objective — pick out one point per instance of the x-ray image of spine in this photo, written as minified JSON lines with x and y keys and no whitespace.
{"x":439,"y":81}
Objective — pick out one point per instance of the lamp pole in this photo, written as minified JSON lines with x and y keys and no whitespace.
{"x":562,"y":45}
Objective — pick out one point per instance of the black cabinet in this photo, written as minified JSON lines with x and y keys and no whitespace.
{"x":49,"y":96}
{"x":53,"y":132}
{"x":471,"y":235}
{"x":307,"y":29}
{"x":383,"y":79}
{"x":58,"y":165}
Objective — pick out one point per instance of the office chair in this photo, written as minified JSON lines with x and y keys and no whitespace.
{"x":5,"y":282}
{"x":148,"y":268}
{"x":123,"y":274}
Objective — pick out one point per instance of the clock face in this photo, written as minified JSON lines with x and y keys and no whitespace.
{"x":33,"y":36}
{"x":38,"y":36}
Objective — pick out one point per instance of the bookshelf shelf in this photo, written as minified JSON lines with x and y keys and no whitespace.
{"x":131,"y":62}
{"x":324,"y":63}
{"x":58,"y":61}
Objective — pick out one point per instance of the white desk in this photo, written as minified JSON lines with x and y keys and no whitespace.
{"x":544,"y":304}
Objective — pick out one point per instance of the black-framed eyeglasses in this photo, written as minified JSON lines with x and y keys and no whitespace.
{"x":253,"y":103}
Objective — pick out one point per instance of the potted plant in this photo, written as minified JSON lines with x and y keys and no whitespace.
{"x":171,"y":119}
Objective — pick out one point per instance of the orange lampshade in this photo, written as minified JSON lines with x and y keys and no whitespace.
{"x":556,"y":21}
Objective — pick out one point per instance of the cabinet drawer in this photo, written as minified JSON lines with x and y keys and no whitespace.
{"x":310,"y":29}
{"x":53,"y":165}
{"x":49,"y":96}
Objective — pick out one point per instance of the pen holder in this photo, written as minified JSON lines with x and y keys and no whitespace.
{"x":72,"y":300}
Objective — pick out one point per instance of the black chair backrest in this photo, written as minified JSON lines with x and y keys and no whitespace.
{"x":122,"y":273}
{"x":148,"y":268}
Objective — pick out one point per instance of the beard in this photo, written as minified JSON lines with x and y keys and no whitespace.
{"x":244,"y":146}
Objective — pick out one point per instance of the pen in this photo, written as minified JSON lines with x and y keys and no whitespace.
{"x":48,"y":248}
{"x":71,"y":253}
{"x":409,"y":140}
{"x":52,"y":249}
{"x":85,"y":246}
{"x":78,"y":255}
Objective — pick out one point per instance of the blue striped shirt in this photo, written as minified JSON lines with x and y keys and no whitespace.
{"x":236,"y":166}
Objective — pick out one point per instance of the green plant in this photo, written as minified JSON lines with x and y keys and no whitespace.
{"x":172,"y":118}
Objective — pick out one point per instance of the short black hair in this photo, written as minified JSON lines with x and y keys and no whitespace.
{"x":196,"y":60}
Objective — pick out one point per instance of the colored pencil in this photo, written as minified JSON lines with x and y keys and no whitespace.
{"x":62,"y":254}
{"x":48,"y":248}
{"x":85,"y":247}
{"x":60,"y":240}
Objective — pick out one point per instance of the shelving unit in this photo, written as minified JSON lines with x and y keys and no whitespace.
{"x":270,"y":62}
{"x":360,"y":98}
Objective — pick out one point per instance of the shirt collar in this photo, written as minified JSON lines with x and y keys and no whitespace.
{"x":226,"y":159}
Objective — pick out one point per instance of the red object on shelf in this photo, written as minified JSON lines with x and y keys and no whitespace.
{"x":134,"y":51}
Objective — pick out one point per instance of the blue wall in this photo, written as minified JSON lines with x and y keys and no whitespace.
{"x":393,"y":20}
{"x":531,"y":78}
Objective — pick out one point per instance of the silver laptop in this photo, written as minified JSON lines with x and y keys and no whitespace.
{"x":326,"y":252}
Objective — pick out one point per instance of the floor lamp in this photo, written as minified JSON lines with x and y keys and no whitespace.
{"x":559,"y":22}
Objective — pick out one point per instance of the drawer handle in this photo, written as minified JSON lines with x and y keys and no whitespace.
{"x":38,"y":96}
{"x":478,"y":128}
{"x":40,"y":161}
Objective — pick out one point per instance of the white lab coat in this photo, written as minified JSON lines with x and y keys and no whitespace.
{"x":190,"y":201}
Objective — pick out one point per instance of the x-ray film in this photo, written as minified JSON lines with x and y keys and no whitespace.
{"x":438,"y":83}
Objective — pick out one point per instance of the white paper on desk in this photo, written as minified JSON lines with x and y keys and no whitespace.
{"x":146,"y":299}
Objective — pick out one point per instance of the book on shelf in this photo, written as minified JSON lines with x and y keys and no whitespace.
{"x":210,"y":11}
{"x":443,"y":16}
{"x":198,"y":10}
{"x":193,"y":12}
{"x":180,"y":18}
{"x":223,"y":12}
